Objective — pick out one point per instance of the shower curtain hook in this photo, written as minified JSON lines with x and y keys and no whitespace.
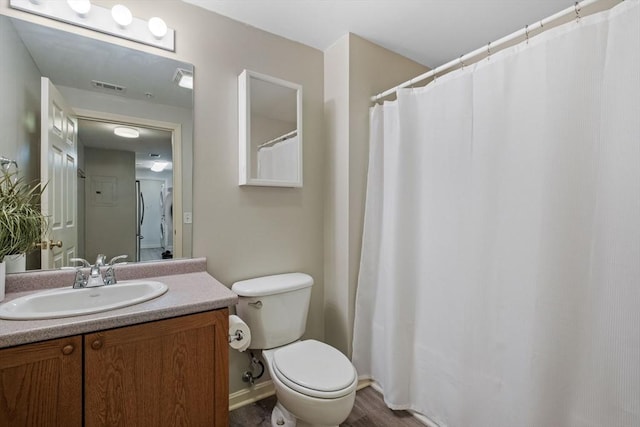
{"x":576,"y":7}
{"x":489,"y":51}
{"x":461,"y":62}
{"x":526,"y":32}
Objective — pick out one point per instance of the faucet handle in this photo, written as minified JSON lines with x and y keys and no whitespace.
{"x":79,"y":281}
{"x":110,"y":274}
{"x":116,"y":258}
{"x":100,"y":259}
{"x":84,"y":262}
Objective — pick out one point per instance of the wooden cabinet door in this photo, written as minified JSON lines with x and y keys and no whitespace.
{"x":41,"y":384}
{"x":167,"y":373}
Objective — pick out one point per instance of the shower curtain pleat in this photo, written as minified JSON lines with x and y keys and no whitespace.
{"x":500,"y":275}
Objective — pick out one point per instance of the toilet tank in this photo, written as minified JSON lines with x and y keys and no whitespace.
{"x":274,"y":307}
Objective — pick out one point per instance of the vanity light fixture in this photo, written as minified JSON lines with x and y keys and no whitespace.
{"x":81,"y":7}
{"x":126,"y":132}
{"x":159,"y":166}
{"x":183,"y":78}
{"x":116,"y":21}
{"x":157,"y":27}
{"x":122,"y":15}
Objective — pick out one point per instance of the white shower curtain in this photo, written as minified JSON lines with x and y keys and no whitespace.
{"x":500,"y":277}
{"x":280,"y":161}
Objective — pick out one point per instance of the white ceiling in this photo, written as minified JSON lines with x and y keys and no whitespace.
{"x":431,"y":32}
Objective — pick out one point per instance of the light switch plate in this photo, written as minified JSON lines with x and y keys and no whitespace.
{"x":187,"y":218}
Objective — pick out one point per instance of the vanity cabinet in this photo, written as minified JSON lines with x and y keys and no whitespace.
{"x":41,"y":384}
{"x":171,"y":372}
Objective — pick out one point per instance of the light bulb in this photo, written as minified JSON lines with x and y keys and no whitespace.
{"x":81,"y":7}
{"x":122,"y":15}
{"x":157,"y":27}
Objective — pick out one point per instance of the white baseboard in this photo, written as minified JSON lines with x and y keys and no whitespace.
{"x":364,"y":382}
{"x":249,"y":395}
{"x":266,"y":389}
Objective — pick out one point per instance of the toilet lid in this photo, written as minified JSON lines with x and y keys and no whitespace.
{"x":314,"y":366}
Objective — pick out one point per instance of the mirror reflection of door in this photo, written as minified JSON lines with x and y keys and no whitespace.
{"x":59,"y":164}
{"x":127,"y":170}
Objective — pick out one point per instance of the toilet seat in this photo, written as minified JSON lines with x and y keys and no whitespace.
{"x":315,"y":369}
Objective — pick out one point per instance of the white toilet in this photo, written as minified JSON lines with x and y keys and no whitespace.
{"x":315,"y":383}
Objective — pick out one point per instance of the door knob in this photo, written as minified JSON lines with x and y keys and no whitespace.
{"x":42,"y":245}
{"x":53,"y":244}
{"x":96,"y":345}
{"x":67,"y":349}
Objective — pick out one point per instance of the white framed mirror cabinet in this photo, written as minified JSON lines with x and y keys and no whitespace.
{"x":270,"y":132}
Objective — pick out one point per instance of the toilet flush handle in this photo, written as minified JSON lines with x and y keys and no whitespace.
{"x":257,"y":304}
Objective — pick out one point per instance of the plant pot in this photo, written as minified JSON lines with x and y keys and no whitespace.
{"x":15,"y":263}
{"x":2,"y":274}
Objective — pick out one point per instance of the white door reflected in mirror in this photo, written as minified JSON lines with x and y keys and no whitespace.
{"x":270,"y":144}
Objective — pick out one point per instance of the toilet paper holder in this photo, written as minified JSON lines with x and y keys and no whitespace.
{"x":237,"y":336}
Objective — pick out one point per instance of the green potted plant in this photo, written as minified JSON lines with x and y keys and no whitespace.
{"x":21,"y":221}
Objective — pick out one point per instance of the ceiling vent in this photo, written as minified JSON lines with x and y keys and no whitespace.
{"x":109,"y":87}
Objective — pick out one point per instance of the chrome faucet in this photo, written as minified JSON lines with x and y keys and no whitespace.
{"x":95,"y":277}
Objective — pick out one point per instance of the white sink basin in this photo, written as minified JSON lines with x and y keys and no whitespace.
{"x":67,"y":302}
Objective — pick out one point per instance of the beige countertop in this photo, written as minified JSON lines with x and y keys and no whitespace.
{"x":190,"y":291}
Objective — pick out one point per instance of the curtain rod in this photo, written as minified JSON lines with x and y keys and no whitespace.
{"x":493,"y":47}
{"x":280,"y":138}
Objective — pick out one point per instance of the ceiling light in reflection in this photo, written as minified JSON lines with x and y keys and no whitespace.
{"x":126,"y":132}
{"x":183,"y":78}
{"x":159,"y":166}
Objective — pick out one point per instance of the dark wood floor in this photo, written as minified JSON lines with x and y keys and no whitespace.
{"x":368,"y":411}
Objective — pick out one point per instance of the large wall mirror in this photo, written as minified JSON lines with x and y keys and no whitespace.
{"x":109,"y":129}
{"x":270,"y":119}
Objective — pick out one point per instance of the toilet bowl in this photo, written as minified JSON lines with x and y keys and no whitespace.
{"x":314,"y":382}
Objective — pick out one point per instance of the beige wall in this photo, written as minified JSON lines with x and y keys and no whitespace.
{"x":355,"y":69}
